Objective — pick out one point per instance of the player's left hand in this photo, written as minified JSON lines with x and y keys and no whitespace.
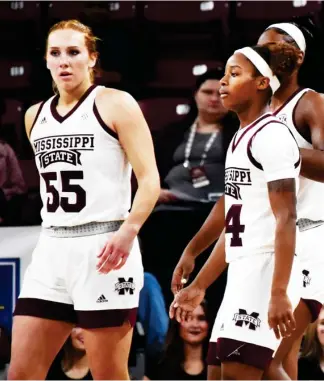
{"x":281,"y":316}
{"x":114,"y":254}
{"x":185,"y":302}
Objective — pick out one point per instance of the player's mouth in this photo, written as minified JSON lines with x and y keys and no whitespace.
{"x":65,"y":74}
{"x":223,"y":93}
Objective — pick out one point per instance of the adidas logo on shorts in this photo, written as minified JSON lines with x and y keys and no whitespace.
{"x":102,"y":299}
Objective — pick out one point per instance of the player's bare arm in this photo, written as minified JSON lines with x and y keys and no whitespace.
{"x":190,"y":297}
{"x":119,"y":110}
{"x":282,"y":196}
{"x":310,"y":112}
{"x":207,"y":235}
{"x":30,"y":117}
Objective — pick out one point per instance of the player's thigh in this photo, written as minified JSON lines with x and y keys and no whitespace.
{"x":239,"y":371}
{"x":110,"y":345}
{"x":35,"y":342}
{"x":214,"y":372}
{"x":106,"y":300}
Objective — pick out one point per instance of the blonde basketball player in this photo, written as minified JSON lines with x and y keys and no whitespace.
{"x":86,"y":267}
{"x":261,"y":177}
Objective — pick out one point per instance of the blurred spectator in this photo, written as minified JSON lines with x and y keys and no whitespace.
{"x":311,"y":362}
{"x":191,"y":161}
{"x":71,"y":363}
{"x":12,"y":186}
{"x":196,"y":147}
{"x":185,"y":349}
{"x":153,"y":315}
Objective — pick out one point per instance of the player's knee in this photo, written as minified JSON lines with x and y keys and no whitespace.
{"x":17,"y":373}
{"x":21,"y":372}
{"x":113,"y":371}
{"x":229,"y":372}
{"x":214,"y":372}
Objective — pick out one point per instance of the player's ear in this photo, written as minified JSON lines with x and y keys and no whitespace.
{"x":301,"y":57}
{"x":263,"y":83}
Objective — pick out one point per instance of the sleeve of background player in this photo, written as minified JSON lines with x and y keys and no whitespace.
{"x":277,"y":151}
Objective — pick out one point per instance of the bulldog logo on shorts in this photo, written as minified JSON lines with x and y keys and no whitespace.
{"x":123,"y":286}
{"x":307,"y":279}
{"x":251,"y":320}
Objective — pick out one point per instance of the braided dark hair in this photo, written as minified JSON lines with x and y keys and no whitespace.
{"x":309,"y":74}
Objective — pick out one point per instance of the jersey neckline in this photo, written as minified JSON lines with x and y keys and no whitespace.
{"x":247,"y":128}
{"x":61,"y":118}
{"x":291,"y":97}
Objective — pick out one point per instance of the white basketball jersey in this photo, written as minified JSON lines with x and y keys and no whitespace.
{"x":262,"y":152}
{"x":311,"y":193}
{"x":84,"y":172}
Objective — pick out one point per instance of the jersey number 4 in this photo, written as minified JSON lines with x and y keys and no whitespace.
{"x":66,"y":177}
{"x":233,"y":224}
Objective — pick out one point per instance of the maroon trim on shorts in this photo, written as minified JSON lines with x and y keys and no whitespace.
{"x":212,"y":358}
{"x":244,"y":353}
{"x":106,"y":318}
{"x":45,"y":309}
{"x":314,"y":307}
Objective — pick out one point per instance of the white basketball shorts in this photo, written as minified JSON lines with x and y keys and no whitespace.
{"x":241,"y":332}
{"x":62,"y":283}
{"x":311,"y":255}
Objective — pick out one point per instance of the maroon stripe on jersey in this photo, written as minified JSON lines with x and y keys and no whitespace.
{"x":61,"y":118}
{"x":106,"y":318}
{"x":45,"y":309}
{"x":235,"y":144}
{"x":36,"y":117}
{"x":288,"y":100}
{"x":102,"y":123}
{"x":249,"y":145}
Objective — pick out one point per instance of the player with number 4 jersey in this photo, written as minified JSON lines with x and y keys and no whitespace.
{"x":258,"y":241}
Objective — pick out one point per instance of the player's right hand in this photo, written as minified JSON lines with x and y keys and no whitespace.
{"x":182,"y":272}
{"x":185,"y":302}
{"x":281,"y":316}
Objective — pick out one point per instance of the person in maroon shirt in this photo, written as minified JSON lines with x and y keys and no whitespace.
{"x":12,"y":184}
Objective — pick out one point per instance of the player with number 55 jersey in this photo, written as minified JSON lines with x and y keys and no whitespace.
{"x":86,"y":268}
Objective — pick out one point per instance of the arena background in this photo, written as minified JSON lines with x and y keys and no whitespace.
{"x":154,"y":50}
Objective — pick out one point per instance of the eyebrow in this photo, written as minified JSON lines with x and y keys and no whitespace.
{"x":233,"y":66}
{"x":69,"y":47}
